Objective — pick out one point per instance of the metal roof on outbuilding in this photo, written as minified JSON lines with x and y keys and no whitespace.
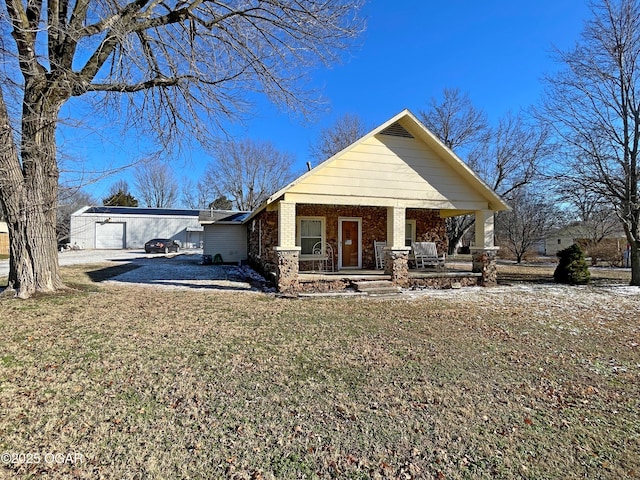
{"x":142,"y":211}
{"x":208,"y":217}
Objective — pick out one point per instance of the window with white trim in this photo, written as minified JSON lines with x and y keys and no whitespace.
{"x":310,"y":231}
{"x":409,"y":232}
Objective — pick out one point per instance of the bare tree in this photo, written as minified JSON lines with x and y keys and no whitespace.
{"x":531,"y":218}
{"x":161,"y":65}
{"x":70,"y":200}
{"x":339,"y":136}
{"x":513,"y":154}
{"x":463,"y":128}
{"x":455,"y":120}
{"x":594,"y":105}
{"x":156,"y":184}
{"x":221,"y":203}
{"x":247,"y":172}
{"x":595,"y":216}
{"x":198,"y":195}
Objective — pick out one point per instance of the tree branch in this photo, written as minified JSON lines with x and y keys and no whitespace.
{"x":25,"y":24}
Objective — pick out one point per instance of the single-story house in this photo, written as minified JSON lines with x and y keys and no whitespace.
{"x":396,"y":184}
{"x":562,"y":238}
{"x":131,"y":227}
{"x":582,"y":234}
{"x":612,"y":245}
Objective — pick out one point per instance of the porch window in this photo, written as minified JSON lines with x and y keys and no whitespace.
{"x":409,"y":232}
{"x":310,"y":231}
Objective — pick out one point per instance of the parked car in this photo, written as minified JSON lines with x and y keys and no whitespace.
{"x":161,"y":245}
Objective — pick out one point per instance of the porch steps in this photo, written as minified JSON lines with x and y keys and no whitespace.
{"x":377,"y":287}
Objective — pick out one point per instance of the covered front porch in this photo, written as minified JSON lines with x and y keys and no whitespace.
{"x":325,"y":254}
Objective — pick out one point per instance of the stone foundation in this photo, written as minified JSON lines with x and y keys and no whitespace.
{"x":484,"y":262}
{"x":396,"y":265}
{"x":444,"y":282}
{"x":324,"y":286}
{"x":287,"y":270}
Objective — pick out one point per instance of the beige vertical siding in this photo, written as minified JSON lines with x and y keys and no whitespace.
{"x":4,"y":243}
{"x":230,"y":241}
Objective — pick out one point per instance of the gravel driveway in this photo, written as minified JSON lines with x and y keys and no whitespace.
{"x":187,"y":272}
{"x":183,"y":270}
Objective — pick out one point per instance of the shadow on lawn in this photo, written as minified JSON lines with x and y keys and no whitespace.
{"x":107,"y":273}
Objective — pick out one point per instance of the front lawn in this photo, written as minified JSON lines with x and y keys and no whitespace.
{"x":513,"y":382}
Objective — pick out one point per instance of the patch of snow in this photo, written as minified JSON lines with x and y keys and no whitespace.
{"x":188,"y":272}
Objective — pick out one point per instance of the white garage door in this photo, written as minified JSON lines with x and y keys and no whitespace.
{"x":109,"y":235}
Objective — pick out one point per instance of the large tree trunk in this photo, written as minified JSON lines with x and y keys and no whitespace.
{"x":457,"y":227}
{"x":631,"y":223}
{"x":28,"y":194}
{"x":635,"y":263}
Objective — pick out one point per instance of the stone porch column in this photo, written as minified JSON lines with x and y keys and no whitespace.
{"x":396,"y":265}
{"x":287,"y":266}
{"x":396,"y":261}
{"x":484,"y":253}
{"x":287,"y":253}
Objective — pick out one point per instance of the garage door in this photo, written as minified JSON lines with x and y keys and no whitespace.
{"x":109,"y":235}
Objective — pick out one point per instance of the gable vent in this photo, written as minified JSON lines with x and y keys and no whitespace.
{"x":396,"y":130}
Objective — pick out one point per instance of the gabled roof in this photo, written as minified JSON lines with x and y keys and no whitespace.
{"x":410,"y":133}
{"x":581,"y":230}
{"x":208,"y":217}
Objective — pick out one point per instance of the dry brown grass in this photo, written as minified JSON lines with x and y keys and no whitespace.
{"x":535,"y":273}
{"x":536,"y":382}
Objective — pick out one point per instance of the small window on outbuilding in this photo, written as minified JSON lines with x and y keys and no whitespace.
{"x":559,"y":241}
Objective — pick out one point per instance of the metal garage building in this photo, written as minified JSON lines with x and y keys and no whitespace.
{"x":131,"y":227}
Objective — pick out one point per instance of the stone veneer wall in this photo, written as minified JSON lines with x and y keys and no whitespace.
{"x":263,"y":236}
{"x":262,"y":232}
{"x":396,"y":265}
{"x":287,"y":271}
{"x":374,"y":227}
{"x":429,"y":227}
{"x":444,"y":282}
{"x":484,"y":262}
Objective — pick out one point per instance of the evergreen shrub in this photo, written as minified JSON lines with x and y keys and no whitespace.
{"x":572,"y":267}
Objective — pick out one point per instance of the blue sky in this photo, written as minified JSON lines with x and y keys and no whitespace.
{"x":497,"y":51}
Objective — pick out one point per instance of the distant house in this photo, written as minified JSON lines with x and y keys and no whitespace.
{"x":397,"y":184}
{"x":581,"y":234}
{"x":131,"y":227}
